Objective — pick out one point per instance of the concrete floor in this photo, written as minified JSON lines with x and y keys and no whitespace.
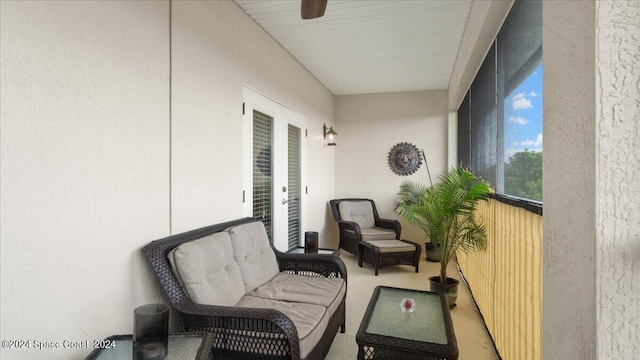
{"x":474,"y":342}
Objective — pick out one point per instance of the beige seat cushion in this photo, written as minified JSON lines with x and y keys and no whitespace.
{"x":207,"y":270}
{"x":327,"y":292}
{"x":310,"y":320}
{"x":360,"y":212}
{"x":253,"y":253}
{"x":377,"y":233}
{"x":391,"y":246}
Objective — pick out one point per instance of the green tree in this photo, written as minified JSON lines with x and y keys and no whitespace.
{"x":523,"y":175}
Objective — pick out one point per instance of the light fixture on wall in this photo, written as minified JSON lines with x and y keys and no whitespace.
{"x":329,"y":135}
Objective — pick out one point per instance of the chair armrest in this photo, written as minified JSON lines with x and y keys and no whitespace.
{"x":327,"y":265}
{"x":390,"y":224}
{"x":232,"y":320}
{"x":350,"y":225}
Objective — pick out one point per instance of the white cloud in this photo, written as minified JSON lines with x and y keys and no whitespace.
{"x":533,"y":94}
{"x":537,"y":142}
{"x":518,"y":120}
{"x":520,"y":102}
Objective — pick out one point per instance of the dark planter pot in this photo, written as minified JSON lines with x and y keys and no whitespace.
{"x":450,"y":288}
{"x":432,"y":252}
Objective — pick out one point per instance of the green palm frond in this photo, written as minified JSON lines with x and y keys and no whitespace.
{"x":445,"y":212}
{"x":411,"y":195}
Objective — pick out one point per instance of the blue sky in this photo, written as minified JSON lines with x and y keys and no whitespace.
{"x":523,"y":116}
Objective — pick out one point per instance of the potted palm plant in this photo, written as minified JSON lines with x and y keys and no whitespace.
{"x":445,"y":212}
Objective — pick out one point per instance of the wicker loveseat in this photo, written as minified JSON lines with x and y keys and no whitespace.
{"x":258,"y":302}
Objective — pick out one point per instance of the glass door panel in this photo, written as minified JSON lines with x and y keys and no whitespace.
{"x":262,"y":170}
{"x":294,"y":188}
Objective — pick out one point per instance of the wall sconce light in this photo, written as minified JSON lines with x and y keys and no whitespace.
{"x":329,"y":135}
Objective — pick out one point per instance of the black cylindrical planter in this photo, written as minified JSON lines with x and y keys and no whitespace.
{"x":450,"y":289}
{"x":432,"y":252}
{"x":311,"y":242}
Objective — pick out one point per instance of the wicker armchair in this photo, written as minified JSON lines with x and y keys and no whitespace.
{"x":240,"y":332}
{"x":374,"y":240}
{"x":350,"y":231}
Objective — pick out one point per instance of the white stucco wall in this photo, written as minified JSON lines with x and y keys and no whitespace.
{"x":96,"y":161}
{"x":569,"y":257}
{"x":369,"y":126}
{"x":591,"y":180}
{"x":84,"y":168}
{"x":618,"y":179}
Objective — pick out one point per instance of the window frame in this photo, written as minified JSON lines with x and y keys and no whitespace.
{"x":466,"y":119}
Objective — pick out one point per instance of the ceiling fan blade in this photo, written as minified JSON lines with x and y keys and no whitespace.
{"x":312,"y":9}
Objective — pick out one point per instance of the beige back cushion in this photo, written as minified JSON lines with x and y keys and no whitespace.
{"x":252,"y":252}
{"x":360,"y":212}
{"x":207,"y":270}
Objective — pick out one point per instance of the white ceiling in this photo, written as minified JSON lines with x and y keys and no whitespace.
{"x":369,"y":46}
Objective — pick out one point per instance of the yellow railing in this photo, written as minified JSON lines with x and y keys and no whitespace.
{"x":506,"y":279}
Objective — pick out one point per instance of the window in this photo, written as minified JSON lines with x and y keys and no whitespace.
{"x":523,"y":138}
{"x":500,"y":119}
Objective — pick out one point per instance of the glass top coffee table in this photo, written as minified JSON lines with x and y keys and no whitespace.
{"x":183,"y":346}
{"x":406,"y":324}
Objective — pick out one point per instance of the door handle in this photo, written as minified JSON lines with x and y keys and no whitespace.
{"x":285,"y":201}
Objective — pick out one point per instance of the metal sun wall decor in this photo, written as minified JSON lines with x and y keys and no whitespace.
{"x":404,"y":159}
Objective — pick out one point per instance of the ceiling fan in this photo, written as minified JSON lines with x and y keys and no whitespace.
{"x":312,"y":9}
